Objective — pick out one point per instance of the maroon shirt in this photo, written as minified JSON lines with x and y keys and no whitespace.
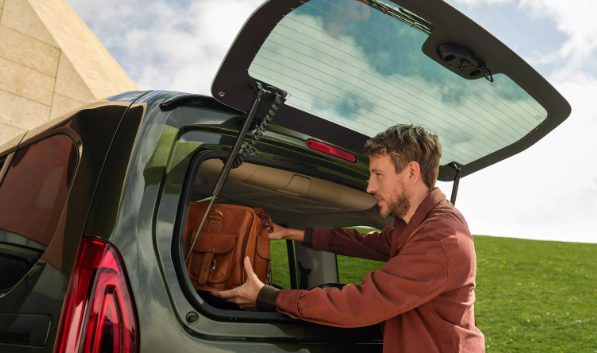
{"x":424,"y":294}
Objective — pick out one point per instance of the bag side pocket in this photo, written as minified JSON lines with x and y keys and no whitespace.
{"x":211,"y":258}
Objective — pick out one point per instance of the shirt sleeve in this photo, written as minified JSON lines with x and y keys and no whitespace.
{"x":350,"y":242}
{"x":266,"y":298}
{"x":415,"y":276}
{"x":307,"y":240}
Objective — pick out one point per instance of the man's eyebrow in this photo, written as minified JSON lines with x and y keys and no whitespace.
{"x":376,"y":170}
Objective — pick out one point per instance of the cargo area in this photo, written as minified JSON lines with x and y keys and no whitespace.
{"x":293,"y":199}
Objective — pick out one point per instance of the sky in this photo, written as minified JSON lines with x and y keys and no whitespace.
{"x":547,"y":192}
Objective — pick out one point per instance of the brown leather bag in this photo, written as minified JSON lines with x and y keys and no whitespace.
{"x":229,"y":234}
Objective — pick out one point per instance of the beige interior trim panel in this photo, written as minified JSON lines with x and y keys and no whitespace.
{"x":280,"y":189}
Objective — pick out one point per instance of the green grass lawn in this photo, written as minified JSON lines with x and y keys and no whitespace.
{"x":280,"y":267}
{"x":532,"y":296}
{"x":536,"y":295}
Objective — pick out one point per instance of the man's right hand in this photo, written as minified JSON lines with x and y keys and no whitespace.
{"x":280,"y":232}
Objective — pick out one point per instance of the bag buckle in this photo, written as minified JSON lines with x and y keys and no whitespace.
{"x":268,"y":273}
{"x":213,"y":266}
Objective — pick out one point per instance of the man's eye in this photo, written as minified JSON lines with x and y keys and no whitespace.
{"x":377,"y":174}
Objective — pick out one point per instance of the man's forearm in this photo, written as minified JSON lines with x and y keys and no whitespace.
{"x":350,"y":242}
{"x":266,"y":299}
{"x":293,"y":234}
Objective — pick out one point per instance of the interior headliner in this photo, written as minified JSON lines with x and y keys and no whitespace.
{"x":294,"y":199}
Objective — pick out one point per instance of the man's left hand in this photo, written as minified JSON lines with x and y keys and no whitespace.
{"x":246,"y":295}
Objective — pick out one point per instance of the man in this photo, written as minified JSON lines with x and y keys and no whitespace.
{"x":424,"y":294}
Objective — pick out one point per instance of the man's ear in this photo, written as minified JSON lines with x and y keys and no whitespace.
{"x":414,"y":172}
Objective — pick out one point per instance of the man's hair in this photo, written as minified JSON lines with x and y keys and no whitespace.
{"x":406,"y":143}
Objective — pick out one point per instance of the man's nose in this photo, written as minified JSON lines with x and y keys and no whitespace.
{"x":371,"y":187}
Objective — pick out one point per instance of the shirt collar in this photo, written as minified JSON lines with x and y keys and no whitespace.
{"x":428,"y":203}
{"x":432,"y":199}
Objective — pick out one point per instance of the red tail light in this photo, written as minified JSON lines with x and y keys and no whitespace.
{"x":331,"y":150}
{"x":98,"y":314}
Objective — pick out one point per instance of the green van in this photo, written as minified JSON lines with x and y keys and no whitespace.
{"x":93,"y":205}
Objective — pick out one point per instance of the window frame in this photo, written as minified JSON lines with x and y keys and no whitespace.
{"x":5,"y":164}
{"x":177,"y":243}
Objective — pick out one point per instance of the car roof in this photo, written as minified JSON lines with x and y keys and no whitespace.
{"x":354,"y":68}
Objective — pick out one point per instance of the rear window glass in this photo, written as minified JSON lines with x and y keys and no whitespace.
{"x":360,"y":65}
{"x":32,"y":197}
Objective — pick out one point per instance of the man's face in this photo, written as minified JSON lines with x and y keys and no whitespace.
{"x":388,"y":187}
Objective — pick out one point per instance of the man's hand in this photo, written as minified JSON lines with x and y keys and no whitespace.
{"x":246,"y":295}
{"x":280,"y":232}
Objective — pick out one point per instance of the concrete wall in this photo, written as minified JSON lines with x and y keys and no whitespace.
{"x":50,"y":63}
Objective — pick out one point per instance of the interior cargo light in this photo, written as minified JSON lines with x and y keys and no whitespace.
{"x":316,"y":145}
{"x":98,"y":314}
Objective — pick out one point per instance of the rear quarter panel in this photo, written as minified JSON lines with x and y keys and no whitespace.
{"x":143,"y":232}
{"x":42,"y":291}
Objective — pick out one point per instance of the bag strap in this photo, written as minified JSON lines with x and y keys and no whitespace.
{"x":206,"y":267}
{"x":266,"y":222}
{"x":214,"y":225}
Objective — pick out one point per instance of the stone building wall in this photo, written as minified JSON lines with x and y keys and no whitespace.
{"x":50,"y":63}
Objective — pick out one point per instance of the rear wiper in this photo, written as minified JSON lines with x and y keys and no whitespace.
{"x":401,"y":14}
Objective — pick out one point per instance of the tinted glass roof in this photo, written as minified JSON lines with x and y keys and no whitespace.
{"x":360,"y":66}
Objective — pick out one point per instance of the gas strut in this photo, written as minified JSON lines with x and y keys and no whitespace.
{"x":456,"y":182}
{"x":231,"y":161}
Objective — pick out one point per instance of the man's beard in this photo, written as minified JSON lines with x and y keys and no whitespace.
{"x":397,"y":207}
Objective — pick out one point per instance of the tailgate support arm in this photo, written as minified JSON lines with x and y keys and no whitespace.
{"x":232,"y":157}
{"x":456,"y":182}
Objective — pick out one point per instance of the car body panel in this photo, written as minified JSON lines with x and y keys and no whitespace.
{"x":144,"y":224}
{"x":42,"y":291}
{"x":131,"y":188}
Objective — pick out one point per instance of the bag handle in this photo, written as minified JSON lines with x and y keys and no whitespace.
{"x":266,"y":220}
{"x":208,"y":265}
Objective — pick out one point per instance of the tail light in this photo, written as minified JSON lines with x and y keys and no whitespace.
{"x":322,"y":147}
{"x":98,"y":314}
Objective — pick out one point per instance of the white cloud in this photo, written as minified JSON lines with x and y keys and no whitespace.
{"x":550,"y":190}
{"x":164,"y":44}
{"x":546,"y":192}
{"x":575,"y":18}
